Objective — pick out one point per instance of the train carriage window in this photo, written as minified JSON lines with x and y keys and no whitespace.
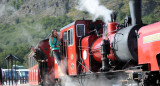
{"x":70,"y":37}
{"x":65,"y":36}
{"x":29,"y":60}
{"x":80,"y":29}
{"x":34,"y":61}
{"x":64,"y":44}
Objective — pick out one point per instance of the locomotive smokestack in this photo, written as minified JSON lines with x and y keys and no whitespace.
{"x":135,"y":11}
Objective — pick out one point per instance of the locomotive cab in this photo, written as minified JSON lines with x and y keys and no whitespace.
{"x":73,"y":39}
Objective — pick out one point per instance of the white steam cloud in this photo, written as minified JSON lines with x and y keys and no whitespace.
{"x":90,"y":81}
{"x":27,"y":35}
{"x":95,"y":9}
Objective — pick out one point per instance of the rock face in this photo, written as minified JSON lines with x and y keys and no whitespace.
{"x":46,"y":7}
{"x":61,"y":7}
{"x":4,"y":1}
{"x":40,"y":7}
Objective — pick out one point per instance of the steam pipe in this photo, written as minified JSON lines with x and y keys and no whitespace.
{"x":105,"y":50}
{"x":135,"y":11}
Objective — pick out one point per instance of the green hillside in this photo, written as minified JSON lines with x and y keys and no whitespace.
{"x":17,"y":38}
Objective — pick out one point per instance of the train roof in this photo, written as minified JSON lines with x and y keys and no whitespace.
{"x":67,"y":26}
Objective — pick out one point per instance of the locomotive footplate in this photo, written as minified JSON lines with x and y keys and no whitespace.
{"x":136,"y":77}
{"x":110,"y":78}
{"x":95,"y":79}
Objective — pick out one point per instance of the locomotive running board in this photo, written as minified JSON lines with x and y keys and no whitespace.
{"x":122,"y":65}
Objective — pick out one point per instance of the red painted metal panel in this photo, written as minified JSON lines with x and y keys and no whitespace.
{"x":86,"y":44}
{"x":34,"y":77}
{"x":111,"y":28}
{"x":96,"y":49}
{"x":149,"y":45}
{"x":56,"y":69}
{"x":72,"y":59}
{"x":71,"y":52}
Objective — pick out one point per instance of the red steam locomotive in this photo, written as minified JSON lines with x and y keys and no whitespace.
{"x":130,"y":51}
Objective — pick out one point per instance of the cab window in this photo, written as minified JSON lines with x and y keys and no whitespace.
{"x":80,"y":29}
{"x":65,"y":36}
{"x":70,"y":37}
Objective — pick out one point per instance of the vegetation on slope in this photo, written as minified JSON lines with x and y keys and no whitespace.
{"x":17,"y":38}
{"x":16,"y":3}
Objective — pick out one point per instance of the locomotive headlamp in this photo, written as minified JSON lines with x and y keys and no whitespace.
{"x":84,"y":54}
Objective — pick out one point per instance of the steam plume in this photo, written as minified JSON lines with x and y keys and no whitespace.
{"x":28,"y":36}
{"x":95,"y":9}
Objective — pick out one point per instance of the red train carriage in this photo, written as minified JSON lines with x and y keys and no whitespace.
{"x":34,"y":78}
{"x":34,"y":75}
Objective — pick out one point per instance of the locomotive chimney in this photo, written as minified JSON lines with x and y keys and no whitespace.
{"x":135,"y":11}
